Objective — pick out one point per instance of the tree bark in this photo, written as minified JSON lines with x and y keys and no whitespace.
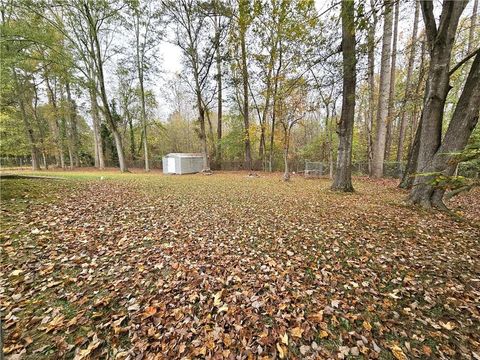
{"x":28,"y":128}
{"x":382,"y":109}
{"x":72,"y":114}
{"x":473,"y":25}
{"x":440,"y":43}
{"x":56,"y":125}
{"x":274,"y":105}
{"x":218,"y":60}
{"x":371,"y":84}
{"x":98,"y":144}
{"x":343,"y":175}
{"x":103,"y":93}
{"x":464,"y":120}
{"x":408,"y":87}
{"x":246,"y":110}
{"x":391,"y":94}
{"x":143,"y":112}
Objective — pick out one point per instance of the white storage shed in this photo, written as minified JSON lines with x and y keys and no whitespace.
{"x":182,"y":163}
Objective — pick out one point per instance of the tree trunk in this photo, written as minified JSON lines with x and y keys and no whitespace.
{"x":40,"y":126}
{"x":274,"y":106}
{"x":132,"y":137}
{"x":391,"y":94}
{"x":246,"y":119}
{"x":143,"y":112}
{"x":464,"y":120}
{"x":103,"y":93}
{"x":30,"y":134}
{"x":343,"y":175}
{"x":371,"y":85}
{"x":98,"y":144}
{"x":286,"y":144}
{"x":56,"y":125}
{"x":440,"y":44}
{"x":473,"y":25}
{"x":268,"y":94}
{"x":408,"y":87}
{"x":382,"y":109}
{"x":218,"y":60}
{"x":72,"y":114}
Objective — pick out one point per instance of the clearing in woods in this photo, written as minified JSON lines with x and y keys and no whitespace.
{"x":226,"y":265}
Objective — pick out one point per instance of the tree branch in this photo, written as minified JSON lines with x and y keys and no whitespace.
{"x":463,"y":61}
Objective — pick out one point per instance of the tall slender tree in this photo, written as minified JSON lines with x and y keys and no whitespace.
{"x":383,"y":97}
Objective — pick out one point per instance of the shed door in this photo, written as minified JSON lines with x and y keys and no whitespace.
{"x":171,"y":165}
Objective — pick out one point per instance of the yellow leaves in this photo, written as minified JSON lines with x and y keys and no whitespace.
{"x":282,"y":351}
{"x":284,"y":338}
{"x":217,"y":301}
{"x":323,"y":334}
{"x":15,"y":273}
{"x":398,"y":352}
{"x":448,"y":325}
{"x":297,"y":332}
{"x":217,"y":298}
{"x":367,"y":326}
{"x":224,"y":307}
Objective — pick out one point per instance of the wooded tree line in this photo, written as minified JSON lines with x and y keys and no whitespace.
{"x":264,"y":83}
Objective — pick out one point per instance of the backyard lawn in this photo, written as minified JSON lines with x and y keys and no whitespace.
{"x":227,"y":266}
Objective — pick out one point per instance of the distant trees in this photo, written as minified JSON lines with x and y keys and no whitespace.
{"x":259,"y":85}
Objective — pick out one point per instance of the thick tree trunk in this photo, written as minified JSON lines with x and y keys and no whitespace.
{"x":464,"y":120}
{"x":440,"y":44}
{"x":391,"y":94}
{"x":343,"y":175}
{"x":382,"y":109}
{"x":408,"y":87}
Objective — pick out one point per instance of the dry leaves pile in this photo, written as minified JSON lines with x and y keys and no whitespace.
{"x":229,"y":267}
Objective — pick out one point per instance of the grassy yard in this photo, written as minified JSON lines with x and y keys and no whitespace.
{"x":227,"y":266}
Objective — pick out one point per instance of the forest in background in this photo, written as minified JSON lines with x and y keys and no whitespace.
{"x":263,"y":85}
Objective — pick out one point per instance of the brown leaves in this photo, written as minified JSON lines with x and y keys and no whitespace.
{"x":212,"y":267}
{"x":85,"y":353}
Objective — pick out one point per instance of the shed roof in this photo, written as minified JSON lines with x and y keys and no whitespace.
{"x":185,"y":154}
